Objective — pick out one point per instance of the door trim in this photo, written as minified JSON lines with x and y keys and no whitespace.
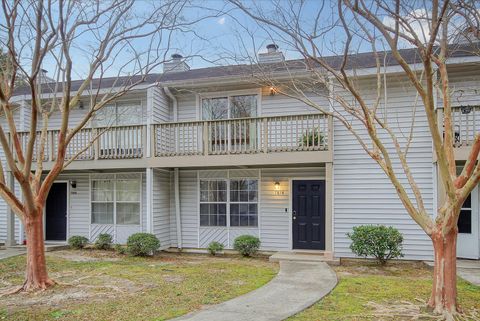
{"x":67,"y":223}
{"x":290,"y":206}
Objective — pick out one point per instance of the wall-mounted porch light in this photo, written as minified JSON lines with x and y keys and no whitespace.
{"x":273,"y":91}
{"x":277,"y":188}
{"x":73,"y":184}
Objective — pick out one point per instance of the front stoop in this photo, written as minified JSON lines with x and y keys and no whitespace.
{"x":305,"y":256}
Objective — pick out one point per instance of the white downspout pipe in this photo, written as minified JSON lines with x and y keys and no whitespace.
{"x":177,"y":207}
{"x":176,"y":176}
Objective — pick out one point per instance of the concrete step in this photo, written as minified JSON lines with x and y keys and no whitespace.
{"x":305,"y":256}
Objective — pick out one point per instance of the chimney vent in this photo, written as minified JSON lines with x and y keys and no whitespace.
{"x":176,"y":64}
{"x":272,"y":55}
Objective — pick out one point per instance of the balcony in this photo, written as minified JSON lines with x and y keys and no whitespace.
{"x":466,"y":123}
{"x":244,"y":141}
{"x":293,"y":139}
{"x":113,"y":143}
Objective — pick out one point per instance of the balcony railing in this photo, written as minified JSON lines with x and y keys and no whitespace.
{"x":121,"y":142}
{"x":243,"y":136}
{"x":466,"y":123}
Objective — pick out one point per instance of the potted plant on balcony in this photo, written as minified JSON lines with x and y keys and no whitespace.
{"x":311,"y":138}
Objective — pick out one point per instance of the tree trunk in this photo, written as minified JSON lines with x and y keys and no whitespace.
{"x":36,"y":276}
{"x":444,"y":293}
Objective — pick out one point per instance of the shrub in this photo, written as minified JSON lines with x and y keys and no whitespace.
{"x":77,"y":242}
{"x":142,"y":244}
{"x":381,"y":242}
{"x":247,"y":245}
{"x":120,"y":249}
{"x":312,"y":138}
{"x":104,"y":241}
{"x":215,"y":247}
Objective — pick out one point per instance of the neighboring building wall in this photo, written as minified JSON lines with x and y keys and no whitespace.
{"x":274,"y":228}
{"x":362,"y":192}
{"x":161,"y":206}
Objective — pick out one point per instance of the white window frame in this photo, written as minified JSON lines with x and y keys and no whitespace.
{"x":116,"y":103}
{"x":101,"y":202}
{"x":228,"y":94}
{"x":114,"y":178}
{"x":248,"y":202}
{"x":200,"y":202}
{"x":139,"y":180}
{"x":228,"y":202}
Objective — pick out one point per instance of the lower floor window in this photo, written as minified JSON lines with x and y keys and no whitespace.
{"x":241,"y":205}
{"x":116,"y":201}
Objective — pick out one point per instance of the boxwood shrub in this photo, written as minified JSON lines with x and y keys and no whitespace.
{"x":378,"y":241}
{"x":77,"y":242}
{"x":104,"y":241}
{"x":215,"y":247}
{"x":142,"y":244}
{"x":247,"y":245}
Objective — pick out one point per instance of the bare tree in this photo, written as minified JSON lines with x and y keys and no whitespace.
{"x":328,"y":38}
{"x":91,"y":39}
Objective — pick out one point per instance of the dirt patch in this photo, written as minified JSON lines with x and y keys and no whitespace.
{"x":84,"y":288}
{"x":405,"y":310}
{"x":369,"y":267}
{"x":86,"y":255}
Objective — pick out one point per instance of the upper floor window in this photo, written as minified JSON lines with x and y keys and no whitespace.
{"x":229,"y":107}
{"x":120,"y":113}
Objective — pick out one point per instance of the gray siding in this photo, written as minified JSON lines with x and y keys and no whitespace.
{"x":160,"y":106}
{"x":161,"y":207}
{"x":362,"y":192}
{"x":187,"y":107}
{"x":274,"y":224}
{"x":280,"y":105}
{"x":189,"y":208}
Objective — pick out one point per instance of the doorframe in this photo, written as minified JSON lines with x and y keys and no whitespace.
{"x":290,"y":208}
{"x":67,"y":223}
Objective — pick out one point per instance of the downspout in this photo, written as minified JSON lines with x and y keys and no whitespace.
{"x":176,"y":173}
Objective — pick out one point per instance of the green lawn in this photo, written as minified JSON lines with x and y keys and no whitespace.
{"x":102,"y":286}
{"x":397,"y":292}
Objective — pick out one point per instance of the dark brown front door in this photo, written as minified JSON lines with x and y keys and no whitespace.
{"x":308,"y":220}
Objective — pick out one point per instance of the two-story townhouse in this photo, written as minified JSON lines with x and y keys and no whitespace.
{"x":203,"y":155}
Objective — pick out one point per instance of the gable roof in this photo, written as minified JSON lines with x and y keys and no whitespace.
{"x":355,"y":61}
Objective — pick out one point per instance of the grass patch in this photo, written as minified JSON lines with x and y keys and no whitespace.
{"x":99,"y":285}
{"x":396,"y":292}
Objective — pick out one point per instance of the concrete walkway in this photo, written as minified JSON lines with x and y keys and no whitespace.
{"x":297,"y":286}
{"x":468,"y":270}
{"x":10,"y":252}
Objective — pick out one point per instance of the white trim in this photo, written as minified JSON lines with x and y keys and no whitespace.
{"x":290,"y":204}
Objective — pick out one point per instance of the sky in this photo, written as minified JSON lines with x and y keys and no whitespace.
{"x":222,"y":35}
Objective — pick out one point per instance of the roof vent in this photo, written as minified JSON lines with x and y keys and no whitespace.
{"x":176,"y":64}
{"x":272,"y":55}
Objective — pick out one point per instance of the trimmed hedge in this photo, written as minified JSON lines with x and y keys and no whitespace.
{"x":77,"y":242}
{"x":142,"y":244}
{"x":247,"y":245}
{"x":104,"y":241}
{"x":215,"y":248}
{"x":378,"y":241}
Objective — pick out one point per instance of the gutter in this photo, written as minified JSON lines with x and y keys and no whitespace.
{"x":176,"y":173}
